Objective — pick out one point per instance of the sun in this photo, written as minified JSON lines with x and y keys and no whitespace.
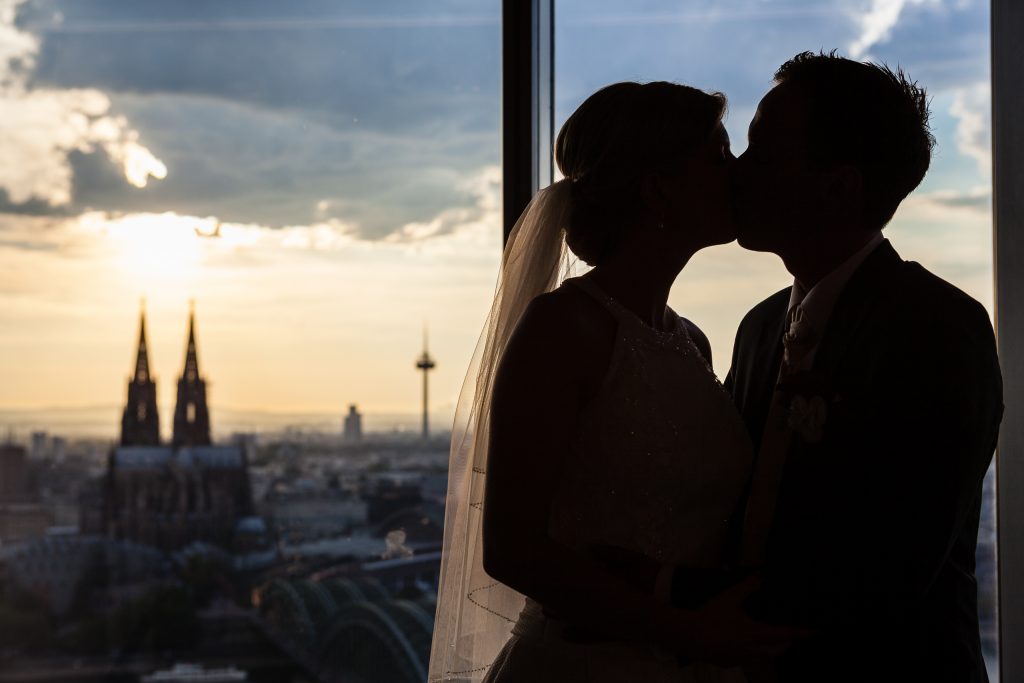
{"x":160,"y":249}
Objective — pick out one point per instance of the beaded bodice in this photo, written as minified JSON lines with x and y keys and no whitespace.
{"x":661,"y":456}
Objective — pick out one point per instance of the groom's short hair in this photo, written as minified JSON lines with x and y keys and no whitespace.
{"x":870,"y":117}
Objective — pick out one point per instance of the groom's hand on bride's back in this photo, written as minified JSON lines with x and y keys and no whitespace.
{"x":729,"y":636}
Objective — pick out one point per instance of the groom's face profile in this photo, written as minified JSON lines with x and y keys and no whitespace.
{"x":775,"y":183}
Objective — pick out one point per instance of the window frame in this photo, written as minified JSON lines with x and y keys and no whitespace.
{"x":1007,"y":17}
{"x":528,"y":103}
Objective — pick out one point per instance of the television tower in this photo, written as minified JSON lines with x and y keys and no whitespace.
{"x":426,"y":364}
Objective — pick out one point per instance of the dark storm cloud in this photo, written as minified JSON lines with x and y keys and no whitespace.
{"x":283,"y":114}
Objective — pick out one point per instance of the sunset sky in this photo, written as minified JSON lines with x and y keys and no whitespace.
{"x":323,"y":179}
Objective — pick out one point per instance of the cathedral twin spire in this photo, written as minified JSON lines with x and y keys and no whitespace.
{"x":191,"y":416}
{"x":142,"y":357}
{"x":140,"y":425}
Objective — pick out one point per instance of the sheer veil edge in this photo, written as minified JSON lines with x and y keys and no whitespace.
{"x":475,"y":614}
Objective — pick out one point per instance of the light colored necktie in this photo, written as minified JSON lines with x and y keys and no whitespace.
{"x":799,"y":340}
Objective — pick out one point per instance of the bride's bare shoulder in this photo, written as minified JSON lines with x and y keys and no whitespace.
{"x":563,"y":333}
{"x":570,"y":315}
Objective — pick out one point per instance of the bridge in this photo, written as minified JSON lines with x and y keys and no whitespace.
{"x":349,"y":629}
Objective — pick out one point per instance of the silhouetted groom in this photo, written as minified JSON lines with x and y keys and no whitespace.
{"x":871,"y":389}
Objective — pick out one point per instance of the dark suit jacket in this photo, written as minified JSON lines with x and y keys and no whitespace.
{"x":876,"y":525}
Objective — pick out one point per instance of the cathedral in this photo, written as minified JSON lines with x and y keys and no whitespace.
{"x":169,"y":495}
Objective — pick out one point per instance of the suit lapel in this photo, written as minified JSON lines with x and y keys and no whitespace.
{"x":866,"y":287}
{"x":767,"y":359}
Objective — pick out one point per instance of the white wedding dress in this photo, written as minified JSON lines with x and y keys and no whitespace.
{"x":657,"y":468}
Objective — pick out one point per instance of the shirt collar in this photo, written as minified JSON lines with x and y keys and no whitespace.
{"x":821,"y":299}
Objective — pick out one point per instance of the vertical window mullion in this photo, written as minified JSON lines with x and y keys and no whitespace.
{"x":1008,"y":240}
{"x":527,"y":102}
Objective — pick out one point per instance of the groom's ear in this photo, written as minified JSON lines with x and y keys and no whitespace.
{"x":843,"y":187}
{"x":653,"y":193}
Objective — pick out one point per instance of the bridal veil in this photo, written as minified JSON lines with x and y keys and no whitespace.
{"x":475,"y":614}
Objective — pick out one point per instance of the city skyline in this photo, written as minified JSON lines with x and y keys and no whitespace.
{"x":19,"y":423}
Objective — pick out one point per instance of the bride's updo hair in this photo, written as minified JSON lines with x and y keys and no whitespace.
{"x":618,"y":135}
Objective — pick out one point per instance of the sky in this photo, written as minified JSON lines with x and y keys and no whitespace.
{"x":322,"y":178}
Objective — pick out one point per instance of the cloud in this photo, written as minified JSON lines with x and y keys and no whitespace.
{"x":33,"y":206}
{"x":950,"y":233}
{"x":254,"y":116}
{"x":246,"y":164}
{"x":27,"y":245}
{"x":17,"y":48}
{"x":751,"y":12}
{"x":944,"y":45}
{"x":366,"y":70}
{"x":972,"y":204}
{"x":57,"y":24}
{"x":28,"y":231}
{"x":43,"y":126}
{"x":971,"y":108}
{"x":486,"y":192}
{"x":877,"y":23}
{"x":977,"y":200}
{"x":167,"y":235}
{"x":378,"y":120}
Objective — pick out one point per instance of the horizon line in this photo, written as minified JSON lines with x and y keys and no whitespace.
{"x":226,"y":409}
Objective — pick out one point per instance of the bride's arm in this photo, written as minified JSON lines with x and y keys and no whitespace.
{"x":535,"y":408}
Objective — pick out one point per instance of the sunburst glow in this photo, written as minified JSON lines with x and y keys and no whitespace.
{"x":153,"y":247}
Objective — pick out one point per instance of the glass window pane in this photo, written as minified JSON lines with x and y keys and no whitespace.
{"x":306,"y":195}
{"x":735,"y":47}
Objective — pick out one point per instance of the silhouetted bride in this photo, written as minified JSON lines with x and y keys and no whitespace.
{"x":595,"y":450}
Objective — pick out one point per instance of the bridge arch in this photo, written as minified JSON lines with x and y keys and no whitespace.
{"x":387,"y":641}
{"x":283,"y":606}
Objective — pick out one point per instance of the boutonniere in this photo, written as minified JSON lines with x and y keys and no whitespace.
{"x":798,"y":340}
{"x":808,"y":399}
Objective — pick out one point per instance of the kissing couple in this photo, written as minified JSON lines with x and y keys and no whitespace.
{"x":615,"y":513}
